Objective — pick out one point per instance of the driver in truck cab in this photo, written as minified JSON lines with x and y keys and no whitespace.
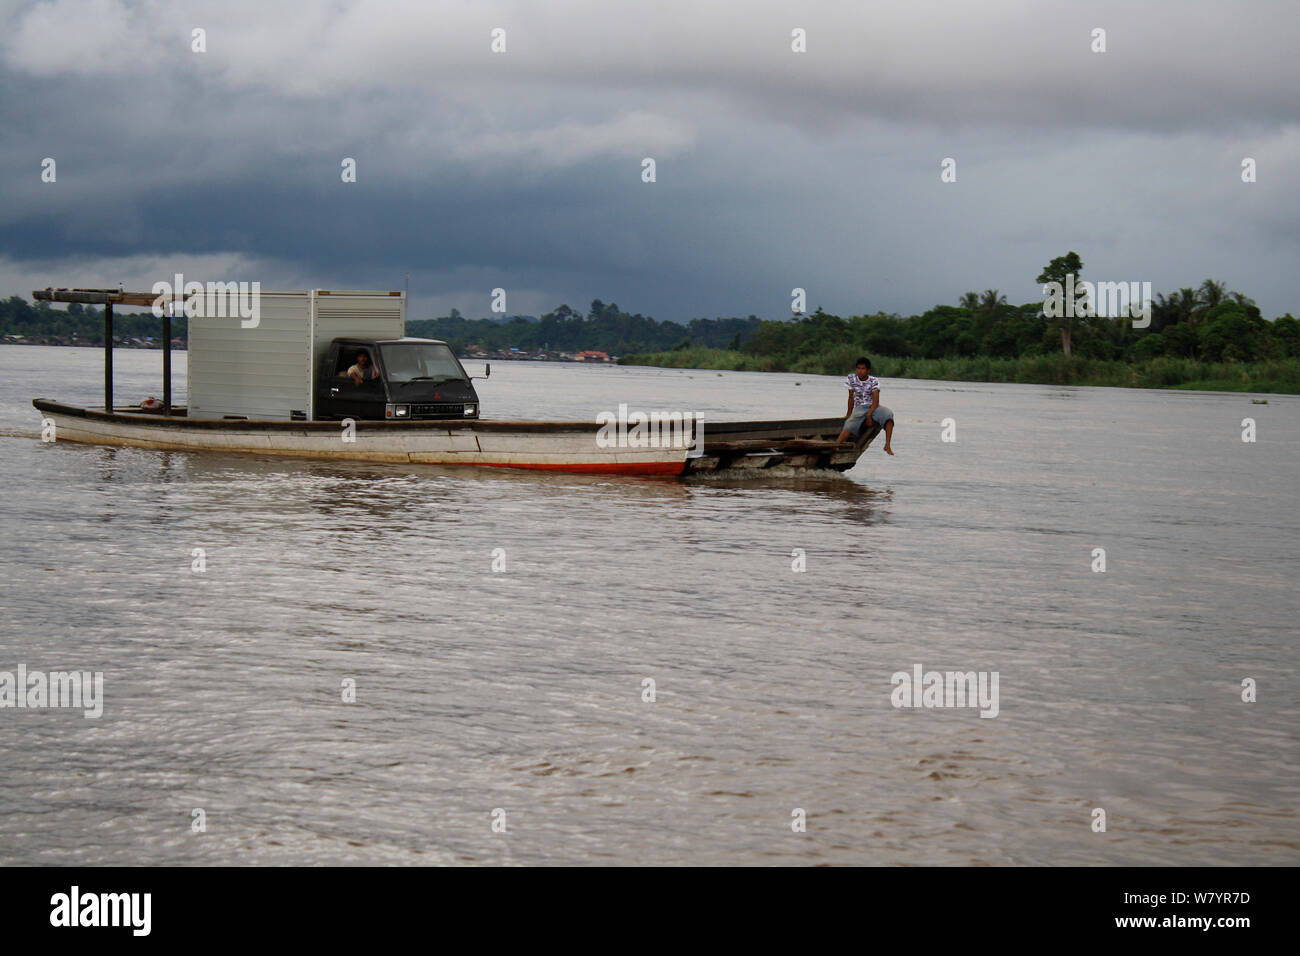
{"x":363,"y":371}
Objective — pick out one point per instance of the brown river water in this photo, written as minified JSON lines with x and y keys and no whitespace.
{"x":519,"y":697}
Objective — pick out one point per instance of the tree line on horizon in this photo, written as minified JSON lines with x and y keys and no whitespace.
{"x":1208,"y":322}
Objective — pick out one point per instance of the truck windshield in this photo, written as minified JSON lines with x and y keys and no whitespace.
{"x":419,"y":361}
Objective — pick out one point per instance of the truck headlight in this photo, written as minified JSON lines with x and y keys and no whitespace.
{"x":402,"y":411}
{"x":471,"y":411}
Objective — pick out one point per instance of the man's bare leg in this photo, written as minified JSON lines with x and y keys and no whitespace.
{"x":843,"y":435}
{"x":889,"y":434}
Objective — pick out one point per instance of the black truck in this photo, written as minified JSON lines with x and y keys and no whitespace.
{"x":393,"y":379}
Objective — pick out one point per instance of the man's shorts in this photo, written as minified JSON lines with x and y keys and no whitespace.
{"x":855,"y":420}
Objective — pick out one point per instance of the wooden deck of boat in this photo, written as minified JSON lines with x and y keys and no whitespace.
{"x":758,"y":444}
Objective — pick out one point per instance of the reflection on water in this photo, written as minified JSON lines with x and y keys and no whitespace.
{"x":500,"y":627}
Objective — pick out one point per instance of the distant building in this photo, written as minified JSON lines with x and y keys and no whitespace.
{"x":590,"y":355}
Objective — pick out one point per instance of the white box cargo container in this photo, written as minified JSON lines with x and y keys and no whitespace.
{"x":268,"y":371}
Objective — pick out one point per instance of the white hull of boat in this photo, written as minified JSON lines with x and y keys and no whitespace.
{"x":549,"y":446}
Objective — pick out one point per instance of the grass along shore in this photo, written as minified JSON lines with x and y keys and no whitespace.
{"x":1280,"y":376}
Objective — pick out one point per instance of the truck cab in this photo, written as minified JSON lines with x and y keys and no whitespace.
{"x":406,"y":379}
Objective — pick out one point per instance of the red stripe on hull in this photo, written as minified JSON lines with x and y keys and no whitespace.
{"x":603,"y":468}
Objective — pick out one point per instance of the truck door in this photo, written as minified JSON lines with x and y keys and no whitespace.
{"x":344,"y":398}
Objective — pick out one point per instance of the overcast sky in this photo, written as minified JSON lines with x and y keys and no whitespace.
{"x":775,"y":169}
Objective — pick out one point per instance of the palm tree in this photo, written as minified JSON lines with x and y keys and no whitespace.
{"x":970,"y":302}
{"x":1212,"y":293}
{"x":1208,"y":294}
{"x":1166,"y":310}
{"x":991,"y":302}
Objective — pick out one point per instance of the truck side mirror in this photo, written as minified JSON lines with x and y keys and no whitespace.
{"x":487,"y":369}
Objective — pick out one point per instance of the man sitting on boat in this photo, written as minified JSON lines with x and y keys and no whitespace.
{"x":363,"y":371}
{"x":864,"y":404}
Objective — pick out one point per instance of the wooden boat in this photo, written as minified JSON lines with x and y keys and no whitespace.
{"x":545,"y":446}
{"x":277,"y":387}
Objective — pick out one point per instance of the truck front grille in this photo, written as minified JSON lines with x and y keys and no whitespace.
{"x":443,"y":410}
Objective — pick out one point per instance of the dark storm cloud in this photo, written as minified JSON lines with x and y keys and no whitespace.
{"x":775,"y":169}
